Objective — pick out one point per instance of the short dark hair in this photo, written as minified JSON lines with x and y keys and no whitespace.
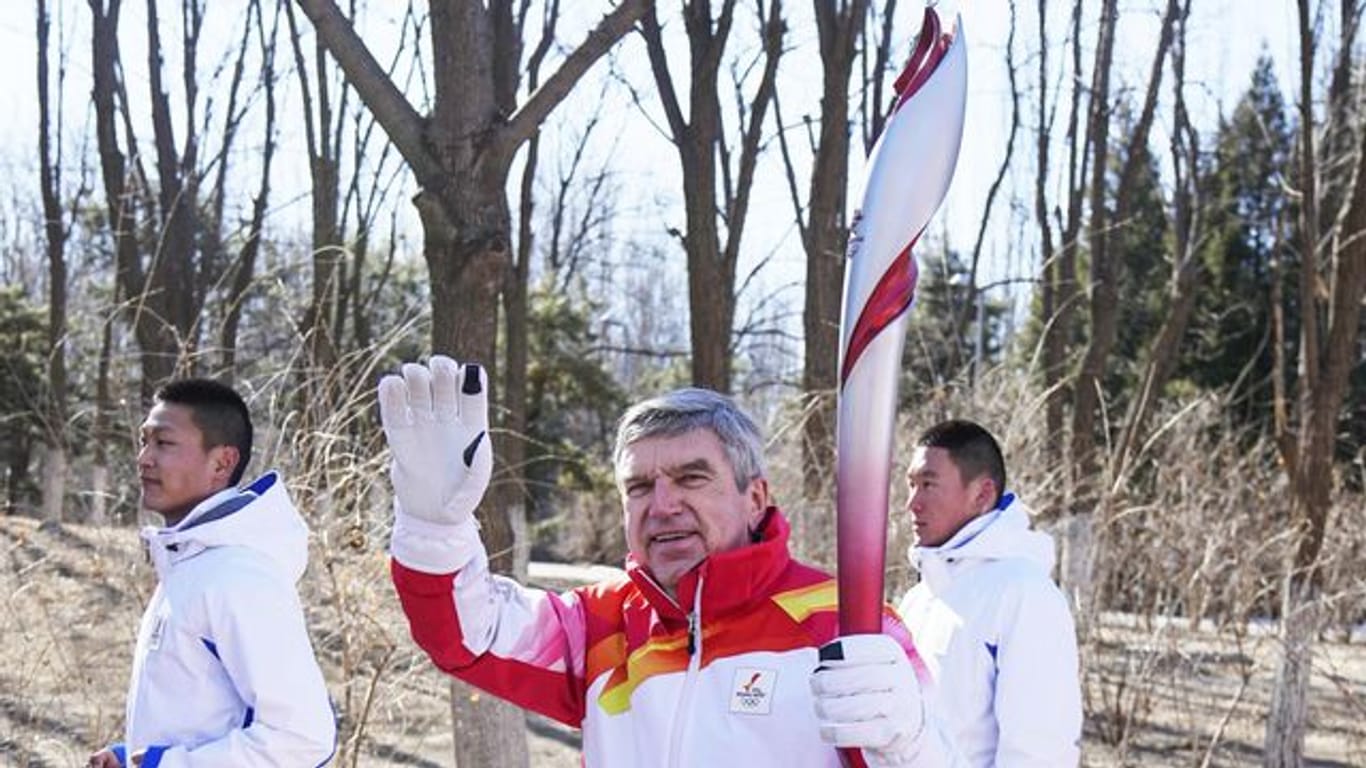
{"x":971,"y":448}
{"x":218,"y":411}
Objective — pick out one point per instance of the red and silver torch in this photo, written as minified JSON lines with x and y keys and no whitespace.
{"x":906,"y":178}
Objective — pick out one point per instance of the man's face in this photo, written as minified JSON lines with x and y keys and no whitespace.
{"x":176,"y":470}
{"x":940,"y":500}
{"x":681,"y":504}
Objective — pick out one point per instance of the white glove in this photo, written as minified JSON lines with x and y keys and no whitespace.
{"x":436,"y":419}
{"x":867,"y":696}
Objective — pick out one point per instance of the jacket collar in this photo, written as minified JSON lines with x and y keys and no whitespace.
{"x":732,"y":579}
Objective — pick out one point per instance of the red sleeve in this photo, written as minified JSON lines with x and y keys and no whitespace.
{"x":535,"y":661}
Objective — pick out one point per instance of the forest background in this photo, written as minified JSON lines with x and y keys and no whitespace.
{"x":1148,"y":280}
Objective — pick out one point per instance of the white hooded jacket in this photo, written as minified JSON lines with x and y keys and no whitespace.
{"x":224,"y":674}
{"x":999,"y":640}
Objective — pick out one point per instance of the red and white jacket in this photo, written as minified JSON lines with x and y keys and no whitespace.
{"x":718,"y":677}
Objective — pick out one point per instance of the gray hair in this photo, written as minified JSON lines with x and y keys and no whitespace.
{"x":684,"y":410}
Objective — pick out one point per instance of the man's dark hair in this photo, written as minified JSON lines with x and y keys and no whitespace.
{"x":219,"y":413}
{"x":971,"y":447}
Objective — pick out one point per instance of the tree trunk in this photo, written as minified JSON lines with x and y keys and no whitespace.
{"x":1104,"y":278}
{"x":174,"y":291}
{"x":1105,"y":269}
{"x":245,"y":266}
{"x":824,"y":238}
{"x":1326,"y":362}
{"x":1061,"y":328}
{"x":50,"y":169}
{"x":100,"y":431}
{"x":1077,"y":566}
{"x":1051,"y":341}
{"x":491,"y":732}
{"x":1288,"y":718}
{"x":1186,"y":215}
{"x":704,"y":156}
{"x":54,"y":482}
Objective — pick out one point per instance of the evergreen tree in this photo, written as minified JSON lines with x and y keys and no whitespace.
{"x":933,"y":344}
{"x":23,"y":336}
{"x":1142,"y":248}
{"x":1251,"y":220}
{"x":572,"y":403}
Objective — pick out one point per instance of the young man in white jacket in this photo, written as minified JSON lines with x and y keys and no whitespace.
{"x":994,"y":629}
{"x":223,"y":673}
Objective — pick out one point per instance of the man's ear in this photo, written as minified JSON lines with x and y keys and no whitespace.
{"x":984,"y":497}
{"x":225,"y":459}
{"x":759,"y":500}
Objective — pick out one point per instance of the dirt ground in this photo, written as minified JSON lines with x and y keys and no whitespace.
{"x":1157,"y":694}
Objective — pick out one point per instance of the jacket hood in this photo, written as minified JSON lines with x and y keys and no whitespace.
{"x":260,"y":517}
{"x":1003,"y":533}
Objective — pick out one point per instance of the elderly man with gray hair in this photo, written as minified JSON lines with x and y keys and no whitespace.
{"x":705,"y":652}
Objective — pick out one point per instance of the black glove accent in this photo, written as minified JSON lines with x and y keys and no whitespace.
{"x":472,"y":447}
{"x":832,"y":651}
{"x":472,"y":385}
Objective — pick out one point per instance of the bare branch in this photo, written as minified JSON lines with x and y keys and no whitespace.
{"x":529,"y":117}
{"x":400,"y":120}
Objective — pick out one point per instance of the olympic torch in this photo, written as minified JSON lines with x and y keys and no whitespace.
{"x":905,"y":179}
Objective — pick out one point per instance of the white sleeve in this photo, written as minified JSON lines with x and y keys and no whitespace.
{"x":1038,"y":693}
{"x":259,"y":635}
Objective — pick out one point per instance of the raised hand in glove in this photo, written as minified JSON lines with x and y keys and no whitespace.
{"x":867,"y":697}
{"x":435,"y":418}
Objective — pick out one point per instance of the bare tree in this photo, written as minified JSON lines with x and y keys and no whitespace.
{"x":1061,"y":273}
{"x":1051,"y":286}
{"x":1104,"y":304}
{"x":1330,"y":296}
{"x":823,"y":228}
{"x":170,"y":300}
{"x":121,"y":199}
{"x":461,"y":155}
{"x":243,"y":268}
{"x":704,"y":153}
{"x":515,"y":291}
{"x":55,"y":231}
{"x":1163,"y":351}
{"x":975,"y":299}
{"x":167,"y":250}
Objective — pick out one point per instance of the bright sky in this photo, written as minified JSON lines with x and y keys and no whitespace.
{"x":1226,"y":36}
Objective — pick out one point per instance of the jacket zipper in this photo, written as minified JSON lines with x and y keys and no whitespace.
{"x":682,"y":715}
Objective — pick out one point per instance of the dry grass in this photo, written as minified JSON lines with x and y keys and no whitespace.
{"x":1159,"y":694}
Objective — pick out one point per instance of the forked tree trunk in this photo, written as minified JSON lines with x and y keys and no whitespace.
{"x":713,"y":191}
